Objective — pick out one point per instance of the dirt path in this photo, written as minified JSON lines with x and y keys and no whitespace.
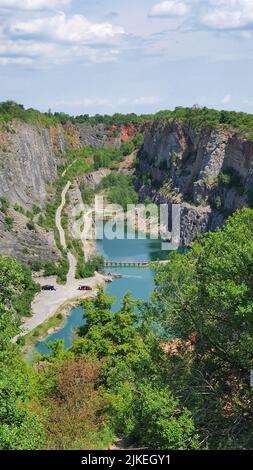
{"x":71,"y":164}
{"x":58,"y":215}
{"x":71,"y":258}
{"x":47,"y":303}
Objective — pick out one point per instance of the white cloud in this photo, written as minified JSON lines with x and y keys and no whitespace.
{"x":104,"y":102}
{"x":75,"y":29}
{"x":15,"y":61}
{"x":247,"y":34}
{"x":26,"y":48}
{"x":141,"y":100}
{"x":59,"y":39}
{"x":84,"y":103}
{"x":210,"y":14}
{"x":123,"y":100}
{"x":146,"y":100}
{"x":226,"y":99}
{"x":169,"y":8}
{"x":46,"y":53}
{"x":228,"y":14}
{"x":33,"y":4}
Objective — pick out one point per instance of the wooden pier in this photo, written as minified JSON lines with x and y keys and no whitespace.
{"x":126,"y":264}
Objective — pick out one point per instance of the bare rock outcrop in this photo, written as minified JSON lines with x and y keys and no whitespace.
{"x":26,"y":241}
{"x":30,"y":154}
{"x":94,"y":178}
{"x":209,"y":171}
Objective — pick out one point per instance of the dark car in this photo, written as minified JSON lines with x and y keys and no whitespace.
{"x":84,"y":288}
{"x":48,"y":288}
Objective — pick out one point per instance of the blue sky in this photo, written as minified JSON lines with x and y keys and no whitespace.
{"x":103,"y":56}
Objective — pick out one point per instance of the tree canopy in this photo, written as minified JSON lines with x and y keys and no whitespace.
{"x":207,"y":294}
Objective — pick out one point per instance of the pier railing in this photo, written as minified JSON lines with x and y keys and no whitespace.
{"x":125,"y":264}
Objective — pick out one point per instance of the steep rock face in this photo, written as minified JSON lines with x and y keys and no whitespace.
{"x":94,"y":178}
{"x":209,"y":172}
{"x":25,"y":241}
{"x":28,"y":164}
{"x":29,"y":155}
{"x":97,"y":136}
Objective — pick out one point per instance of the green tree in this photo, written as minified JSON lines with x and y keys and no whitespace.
{"x":20,"y":424}
{"x":161,"y":422}
{"x":207,"y":294}
{"x":130,"y":352}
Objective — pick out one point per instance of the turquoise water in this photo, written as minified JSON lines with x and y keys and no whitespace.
{"x":140,"y":281}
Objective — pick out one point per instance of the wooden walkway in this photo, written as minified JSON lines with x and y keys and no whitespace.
{"x":126,"y":264}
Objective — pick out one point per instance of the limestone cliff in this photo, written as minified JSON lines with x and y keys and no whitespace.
{"x":29,"y":157}
{"x":209,"y":171}
{"x":26,"y":241}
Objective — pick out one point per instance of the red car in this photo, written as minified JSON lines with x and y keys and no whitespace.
{"x":85,"y":288}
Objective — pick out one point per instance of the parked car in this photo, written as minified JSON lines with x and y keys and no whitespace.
{"x":84,"y":288}
{"x":48,"y":288}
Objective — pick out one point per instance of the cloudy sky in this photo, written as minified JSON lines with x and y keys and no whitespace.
{"x":89,"y":56}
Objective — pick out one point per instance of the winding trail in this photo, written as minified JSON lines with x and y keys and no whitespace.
{"x":47,"y":303}
{"x":58,"y":215}
{"x":71,"y":258}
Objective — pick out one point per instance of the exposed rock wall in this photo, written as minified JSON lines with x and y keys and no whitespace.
{"x":180,"y":165}
{"x":94,"y":178}
{"x":28,"y":164}
{"x":29,"y":155}
{"x":25,"y":241}
{"x":177,"y":164}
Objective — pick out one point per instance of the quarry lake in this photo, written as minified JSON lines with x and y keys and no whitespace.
{"x":140,"y":281}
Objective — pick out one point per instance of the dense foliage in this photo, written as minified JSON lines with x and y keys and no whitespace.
{"x":207,"y":294}
{"x":22,"y":294}
{"x":20,"y":425}
{"x":86,"y":269}
{"x":174,"y":373}
{"x":10,"y":110}
{"x":141,"y":407}
{"x":198,"y":117}
{"x":75,"y":404}
{"x":119,"y":189}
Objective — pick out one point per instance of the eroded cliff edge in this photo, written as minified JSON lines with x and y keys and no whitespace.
{"x":31,"y":155}
{"x":209,"y":171}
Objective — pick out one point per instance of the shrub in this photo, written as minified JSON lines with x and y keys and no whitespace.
{"x":87,"y":269}
{"x":120,"y":189}
{"x":30,"y":226}
{"x":138,"y":141}
{"x":4,"y":205}
{"x":217,"y":203}
{"x":9,"y":221}
{"x":250,"y":197}
{"x":232,"y":179}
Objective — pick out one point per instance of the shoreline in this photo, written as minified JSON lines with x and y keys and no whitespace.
{"x":48,"y":304}
{"x":64,"y":311}
{"x":49,"y":327}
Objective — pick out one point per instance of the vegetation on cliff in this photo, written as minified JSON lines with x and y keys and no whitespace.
{"x":207,"y":293}
{"x":127,"y":373}
{"x":119,"y":189}
{"x":10,"y":110}
{"x":200,"y":118}
{"x":197,"y":117}
{"x":20,"y":426}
